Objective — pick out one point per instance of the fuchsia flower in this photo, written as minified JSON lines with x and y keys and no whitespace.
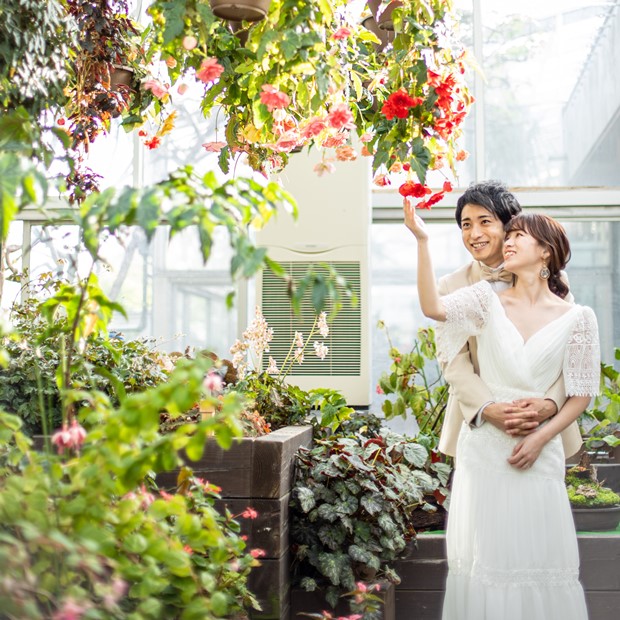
{"x":210,"y":70}
{"x":69,"y":437}
{"x":273,"y":98}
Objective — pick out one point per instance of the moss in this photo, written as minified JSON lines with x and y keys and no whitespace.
{"x":603,"y":497}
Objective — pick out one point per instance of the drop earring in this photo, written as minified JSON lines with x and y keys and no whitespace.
{"x":545,"y":273}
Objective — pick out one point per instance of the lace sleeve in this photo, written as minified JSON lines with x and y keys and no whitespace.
{"x":582,"y":359}
{"x":467,"y":312}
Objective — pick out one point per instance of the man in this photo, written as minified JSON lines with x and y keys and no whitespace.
{"x":481,"y":213}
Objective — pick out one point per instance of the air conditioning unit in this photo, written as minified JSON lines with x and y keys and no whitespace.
{"x":333,"y":227}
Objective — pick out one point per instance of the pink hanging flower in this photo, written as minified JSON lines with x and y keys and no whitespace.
{"x":324,"y":167}
{"x":210,"y":70}
{"x":340,"y":117}
{"x":366,"y":137}
{"x":342,"y":33}
{"x":381,"y":180}
{"x":182,"y":89}
{"x":62,"y":439}
{"x":334,"y":141}
{"x":346,"y":153}
{"x":158,"y":89}
{"x":273,"y":98}
{"x":214,"y":147}
{"x":70,"y":610}
{"x":379,"y":390}
{"x":313,"y":127}
{"x":287,"y":141}
{"x":77,"y":434}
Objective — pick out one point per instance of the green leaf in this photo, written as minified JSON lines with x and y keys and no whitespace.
{"x":415,"y":454}
{"x":305,"y":497}
{"x":372,"y":503}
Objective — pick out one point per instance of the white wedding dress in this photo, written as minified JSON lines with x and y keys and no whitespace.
{"x":512,"y":548}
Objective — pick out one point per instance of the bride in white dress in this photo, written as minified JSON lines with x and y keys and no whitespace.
{"x":512,"y":548}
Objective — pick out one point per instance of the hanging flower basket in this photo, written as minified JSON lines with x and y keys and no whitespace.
{"x":241,"y":10}
{"x":385,"y":21}
{"x":385,"y":36}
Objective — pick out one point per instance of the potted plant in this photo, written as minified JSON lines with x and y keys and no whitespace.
{"x":353,"y":507}
{"x":595,"y":507}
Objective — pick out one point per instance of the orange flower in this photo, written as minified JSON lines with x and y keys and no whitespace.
{"x":210,"y":70}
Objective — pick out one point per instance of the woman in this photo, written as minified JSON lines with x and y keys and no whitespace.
{"x":512,"y":548}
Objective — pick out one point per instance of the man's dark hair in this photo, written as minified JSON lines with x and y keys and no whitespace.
{"x":493,"y":196}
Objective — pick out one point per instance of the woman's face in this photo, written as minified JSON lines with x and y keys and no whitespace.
{"x":522,"y":250}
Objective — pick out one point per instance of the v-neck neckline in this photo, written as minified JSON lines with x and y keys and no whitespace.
{"x":540,"y":329}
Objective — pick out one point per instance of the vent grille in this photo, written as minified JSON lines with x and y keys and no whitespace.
{"x":344,"y":340}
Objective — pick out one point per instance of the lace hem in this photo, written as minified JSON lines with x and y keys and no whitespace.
{"x":582,"y":358}
{"x":517,"y":578}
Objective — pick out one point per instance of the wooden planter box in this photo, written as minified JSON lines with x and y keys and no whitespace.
{"x":314,"y":602}
{"x":258,"y":472}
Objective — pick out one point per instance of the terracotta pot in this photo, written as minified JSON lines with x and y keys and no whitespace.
{"x":384,"y":20}
{"x":385,"y":36}
{"x":240,"y":10}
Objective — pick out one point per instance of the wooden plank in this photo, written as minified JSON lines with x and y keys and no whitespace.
{"x":274,"y":459}
{"x":419,"y":574}
{"x":270,"y":582}
{"x":420,"y":604}
{"x":600,"y":562}
{"x":603,"y":605}
{"x":270,"y":530}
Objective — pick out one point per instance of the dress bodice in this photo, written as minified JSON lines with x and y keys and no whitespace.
{"x":510,"y":366}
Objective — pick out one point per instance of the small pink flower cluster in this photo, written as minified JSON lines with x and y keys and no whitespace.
{"x":69,"y":437}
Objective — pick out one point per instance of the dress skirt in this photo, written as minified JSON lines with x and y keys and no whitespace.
{"x":512,"y":547}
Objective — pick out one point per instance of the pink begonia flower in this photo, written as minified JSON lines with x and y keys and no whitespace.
{"x":324,"y":167}
{"x":346,"y":153}
{"x":340,"y":117}
{"x":190,"y":42}
{"x":258,"y":553}
{"x":146,"y":498}
{"x":249,"y":513}
{"x":171,"y":62}
{"x":182,"y":89}
{"x":214,"y":147}
{"x":379,"y":390}
{"x":322,"y":325}
{"x":210,"y":70}
{"x":272,"y":368}
{"x":156,"y":87}
{"x":287,"y":141}
{"x":273,"y":98}
{"x":213,"y":382}
{"x":313,"y":127}
{"x":381,"y":180}
{"x":365,"y":152}
{"x":366,"y":137}
{"x":279,"y":115}
{"x":70,"y":610}
{"x":338,"y":140}
{"x":342,"y":33}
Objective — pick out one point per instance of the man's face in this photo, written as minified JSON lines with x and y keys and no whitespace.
{"x":483,"y":234}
